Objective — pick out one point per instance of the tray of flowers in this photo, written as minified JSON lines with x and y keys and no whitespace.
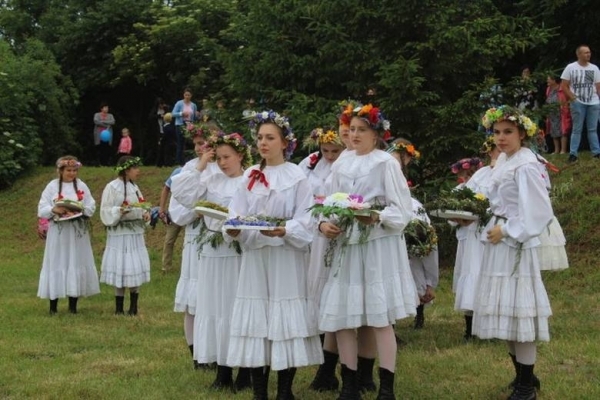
{"x":212,"y":210}
{"x":254,"y":222}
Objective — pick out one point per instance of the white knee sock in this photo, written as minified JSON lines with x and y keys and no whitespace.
{"x":526,"y":352}
{"x":188,"y":328}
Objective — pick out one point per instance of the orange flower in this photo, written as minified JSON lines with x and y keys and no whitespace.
{"x":410,"y":149}
{"x":366,"y":109}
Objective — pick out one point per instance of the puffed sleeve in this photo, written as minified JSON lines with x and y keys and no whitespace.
{"x":188,"y":187}
{"x":110,"y":206}
{"x":47,"y":200}
{"x":299,"y":229}
{"x":535,"y":209}
{"x":398,"y":212}
{"x":89,"y":204}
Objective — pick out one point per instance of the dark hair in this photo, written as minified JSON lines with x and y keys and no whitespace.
{"x":103,"y":104}
{"x":188,"y":89}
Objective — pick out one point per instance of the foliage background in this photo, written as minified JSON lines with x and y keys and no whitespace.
{"x":429,"y":61}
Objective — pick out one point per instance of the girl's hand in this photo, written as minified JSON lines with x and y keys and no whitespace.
{"x":462,"y":222}
{"x":428,"y":296}
{"x":277,"y":232}
{"x":207,"y":156}
{"x":58,"y":210}
{"x":233,"y":232}
{"x":125,"y":210}
{"x":329,"y":230}
{"x":146,"y":216}
{"x":495,"y":234}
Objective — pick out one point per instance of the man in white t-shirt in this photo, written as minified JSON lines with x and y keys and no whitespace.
{"x":581,"y":85}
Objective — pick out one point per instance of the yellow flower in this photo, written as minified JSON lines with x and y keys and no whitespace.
{"x":480,"y":196}
{"x":339,"y":196}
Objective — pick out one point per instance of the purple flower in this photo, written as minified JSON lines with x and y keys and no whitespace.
{"x":356,"y":198}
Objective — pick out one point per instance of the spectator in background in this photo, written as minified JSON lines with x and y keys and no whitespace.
{"x":173,"y":230}
{"x":526,"y":91}
{"x":103,"y":120}
{"x":184,"y":113}
{"x":125,"y":145}
{"x":581,"y":84}
{"x":166,"y":143}
{"x":558,"y":122}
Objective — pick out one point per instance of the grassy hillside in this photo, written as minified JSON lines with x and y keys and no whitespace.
{"x":97,"y":355}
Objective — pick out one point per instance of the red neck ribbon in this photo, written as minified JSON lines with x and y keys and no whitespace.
{"x":257,"y":175}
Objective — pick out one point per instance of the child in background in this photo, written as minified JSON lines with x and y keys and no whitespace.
{"x":125,"y":263}
{"x":68,"y":268}
{"x":125,"y":144}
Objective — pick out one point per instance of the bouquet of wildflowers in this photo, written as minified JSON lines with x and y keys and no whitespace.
{"x":341,"y":209}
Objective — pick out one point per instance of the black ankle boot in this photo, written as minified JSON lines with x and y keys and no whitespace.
{"x":349,"y":385}
{"x":224,"y":379}
{"x":420,"y":318}
{"x":325,"y":378}
{"x":364,"y":374}
{"x":119,"y":305}
{"x":536,"y":382}
{"x":468,"y":328}
{"x":133,"y":303}
{"x":242,"y":380}
{"x":285,"y":380}
{"x":53,"y":306}
{"x":194,"y":362}
{"x":523,"y":389}
{"x":386,"y":385}
{"x":73,"y":305}
{"x":260,"y":382}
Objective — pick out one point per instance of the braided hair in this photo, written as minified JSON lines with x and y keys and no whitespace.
{"x":61,"y":164}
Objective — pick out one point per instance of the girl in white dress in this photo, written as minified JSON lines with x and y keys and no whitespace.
{"x":125,"y":263}
{"x":270,"y":323}
{"x":184,"y":215}
{"x":425,"y":270}
{"x":469,"y":249}
{"x":219,"y":262}
{"x":511,"y":302}
{"x":68,"y":268}
{"x":370,"y":283}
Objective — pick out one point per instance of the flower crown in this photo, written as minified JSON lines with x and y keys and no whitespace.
{"x":68,"y":163}
{"x":404,"y":148}
{"x":319,"y":136}
{"x":198,"y":129}
{"x":132,"y":162}
{"x":488,"y":145}
{"x":259,"y":118}
{"x":466,"y":164}
{"x":507,"y":113}
{"x":346,"y":109}
{"x":375,"y":118}
{"x":236,"y":141}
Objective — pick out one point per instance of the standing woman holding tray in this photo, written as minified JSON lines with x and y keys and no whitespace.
{"x":370,"y":283}
{"x":269,"y":324}
{"x":511,"y":301}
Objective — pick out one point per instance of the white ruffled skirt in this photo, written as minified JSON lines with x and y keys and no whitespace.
{"x":269,"y":324}
{"x":552,"y":253}
{"x":185,"y":292}
{"x":465,"y":282}
{"x":316,"y":278}
{"x":68,"y":268}
{"x":125,"y":262}
{"x":511,"y":301}
{"x":215,"y":294}
{"x":369,"y":284}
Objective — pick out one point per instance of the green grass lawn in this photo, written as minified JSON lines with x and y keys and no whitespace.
{"x":97,"y":355}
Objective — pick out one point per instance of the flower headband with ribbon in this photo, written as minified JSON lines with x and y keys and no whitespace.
{"x":132,"y":162}
{"x":507,"y":113}
{"x":236,"y":141}
{"x":320,"y":136}
{"x":375,"y":118}
{"x":68,"y":163}
{"x":400,"y":147}
{"x":466,"y":164}
{"x":259,"y":118}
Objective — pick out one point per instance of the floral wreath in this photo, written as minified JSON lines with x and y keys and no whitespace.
{"x":488,"y":146}
{"x":375,"y":118}
{"x":132,"y":162}
{"x":198,"y":129}
{"x":68,"y":163}
{"x":507,"y":113}
{"x":466,"y":164}
{"x":404,"y":148}
{"x":236,"y":141}
{"x":347,"y":108}
{"x":259,"y":118}
{"x":320,"y":136}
